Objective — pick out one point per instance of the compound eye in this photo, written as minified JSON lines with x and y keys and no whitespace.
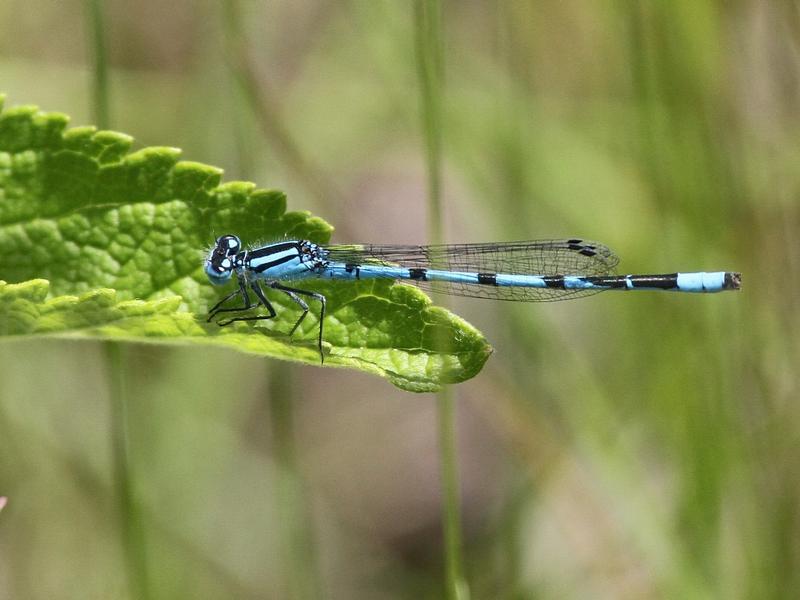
{"x":229,"y":244}
{"x":219,"y":271}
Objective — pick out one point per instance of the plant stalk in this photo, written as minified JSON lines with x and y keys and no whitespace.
{"x":297,"y":548}
{"x":430,"y":67}
{"x":129,"y":514}
{"x":97,"y":43}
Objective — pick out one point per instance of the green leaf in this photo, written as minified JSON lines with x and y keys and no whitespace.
{"x":99,"y":242}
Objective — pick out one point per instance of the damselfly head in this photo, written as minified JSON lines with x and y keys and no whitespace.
{"x":220,"y":261}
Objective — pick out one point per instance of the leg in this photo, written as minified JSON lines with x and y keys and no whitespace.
{"x":292,"y":293}
{"x":302,"y":304}
{"x":214,"y":310}
{"x":262,"y":300}
{"x":242,"y":291}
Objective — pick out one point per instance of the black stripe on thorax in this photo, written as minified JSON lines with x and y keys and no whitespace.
{"x":268,"y":265}
{"x":273,"y":249}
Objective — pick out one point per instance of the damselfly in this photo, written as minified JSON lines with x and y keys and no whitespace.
{"x":535,"y":271}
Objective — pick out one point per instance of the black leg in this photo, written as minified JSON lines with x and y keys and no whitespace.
{"x":242,"y":291}
{"x":262,"y":300}
{"x":292,"y":293}
{"x":302,"y":304}
{"x":214,"y":310}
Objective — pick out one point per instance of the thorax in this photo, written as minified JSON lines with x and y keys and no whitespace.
{"x":294,"y":259}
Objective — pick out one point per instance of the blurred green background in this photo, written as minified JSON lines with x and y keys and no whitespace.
{"x":622,"y":446}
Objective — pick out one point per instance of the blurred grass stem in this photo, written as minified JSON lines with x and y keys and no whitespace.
{"x":264,"y":106}
{"x":296,"y":545}
{"x":95,"y":26}
{"x":133,"y":543}
{"x":429,"y":54}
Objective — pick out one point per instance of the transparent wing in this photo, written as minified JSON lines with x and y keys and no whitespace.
{"x":540,"y":257}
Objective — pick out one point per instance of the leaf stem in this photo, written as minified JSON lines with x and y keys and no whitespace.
{"x":428,"y":27}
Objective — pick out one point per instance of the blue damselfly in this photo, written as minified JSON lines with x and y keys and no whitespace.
{"x":532,"y":271}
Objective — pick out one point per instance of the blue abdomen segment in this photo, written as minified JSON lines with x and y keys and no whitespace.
{"x":678,"y":282}
{"x":702,"y":282}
